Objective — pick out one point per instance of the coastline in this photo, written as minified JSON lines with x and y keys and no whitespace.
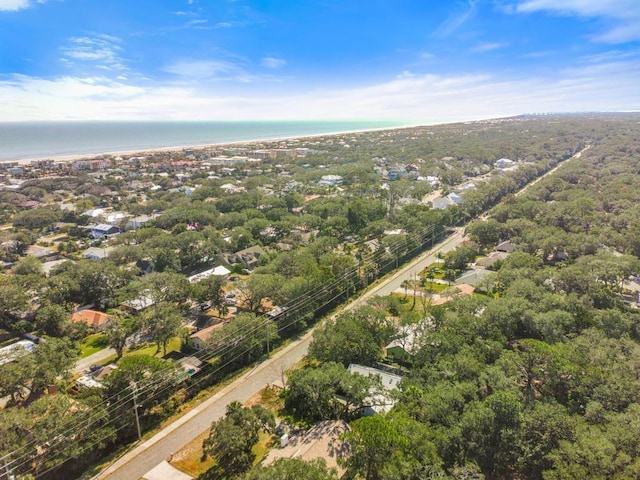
{"x":177,"y":148}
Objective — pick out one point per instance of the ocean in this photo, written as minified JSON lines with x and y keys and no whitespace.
{"x":27,"y":140}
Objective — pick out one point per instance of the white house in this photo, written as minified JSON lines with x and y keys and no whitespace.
{"x":503,"y":163}
{"x":379,"y":402}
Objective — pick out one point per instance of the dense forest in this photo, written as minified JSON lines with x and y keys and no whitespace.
{"x":537,"y":377}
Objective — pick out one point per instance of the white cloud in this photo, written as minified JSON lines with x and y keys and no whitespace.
{"x":273,"y":62}
{"x":103,"y":50}
{"x":420,"y":98}
{"x":624,"y":15}
{"x":456,"y":20}
{"x":487,"y":47}
{"x":14,"y":5}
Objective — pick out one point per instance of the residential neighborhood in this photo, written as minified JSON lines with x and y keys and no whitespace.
{"x":175,"y":270}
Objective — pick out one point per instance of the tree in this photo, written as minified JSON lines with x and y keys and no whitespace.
{"x":390,"y":447}
{"x":14,"y":302}
{"x":53,"y":359}
{"x":543,"y":428}
{"x":210,"y":290}
{"x":51,"y":431}
{"x":169,"y":287}
{"x":28,"y":265}
{"x":245,"y":339}
{"x":53,"y":320}
{"x":293,"y":469}
{"x":15,"y":377}
{"x":163,"y":320}
{"x":311,"y":393}
{"x":232,"y":437}
{"x":257,"y":288}
{"x":354,"y":337}
{"x":97,"y":281}
{"x":489,"y":432}
{"x":119,"y":329}
{"x":38,"y":218}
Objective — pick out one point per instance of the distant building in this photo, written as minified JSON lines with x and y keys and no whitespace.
{"x":96,"y":253}
{"x":455,"y":198}
{"x":139,"y":221}
{"x":199,"y":339}
{"x":504,"y":163}
{"x":219,"y":271}
{"x":379,"y":402}
{"x":442,"y":203}
{"x":92,"y":318}
{"x":330,"y":181}
{"x":104,"y":230}
{"x":16,"y":350}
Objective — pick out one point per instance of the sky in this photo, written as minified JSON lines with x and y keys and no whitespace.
{"x":415,"y":61}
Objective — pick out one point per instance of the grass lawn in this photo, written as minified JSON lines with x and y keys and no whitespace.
{"x":92,"y":344}
{"x":151,"y":348}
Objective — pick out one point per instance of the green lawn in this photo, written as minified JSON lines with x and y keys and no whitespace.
{"x":92,"y":344}
{"x":151,"y":348}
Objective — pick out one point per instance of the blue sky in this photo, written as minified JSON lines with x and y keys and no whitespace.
{"x":416,"y":61}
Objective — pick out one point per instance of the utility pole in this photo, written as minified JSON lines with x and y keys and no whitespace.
{"x":266,"y":324}
{"x":7,"y":470}
{"x":134,"y":389}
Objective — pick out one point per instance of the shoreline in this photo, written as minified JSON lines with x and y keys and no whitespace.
{"x":177,"y":148}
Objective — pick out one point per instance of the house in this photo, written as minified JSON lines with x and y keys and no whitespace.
{"x":85,"y":381}
{"x":249,"y":257}
{"x":491,"y":259}
{"x":42,"y":253}
{"x":504,"y":163}
{"x":219,"y":271}
{"x":97,"y":212}
{"x":139,"y":304}
{"x":190,"y":364}
{"x":455,"y":198}
{"x":406,"y":342}
{"x":330,"y":181}
{"x":92,"y":318}
{"x":16,"y":350}
{"x":379,"y":402}
{"x":165,"y":471}
{"x":442,"y":203}
{"x":199,"y":339}
{"x":104,"y":230}
{"x":505,"y":246}
{"x":139,"y":221}
{"x":96,"y":253}
{"x":474,"y":277}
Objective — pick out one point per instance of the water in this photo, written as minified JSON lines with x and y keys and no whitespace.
{"x":25,"y":140}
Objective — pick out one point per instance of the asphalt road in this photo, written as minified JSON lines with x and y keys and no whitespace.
{"x":84,"y":363}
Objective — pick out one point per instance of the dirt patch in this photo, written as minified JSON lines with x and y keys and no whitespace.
{"x":189,"y":458}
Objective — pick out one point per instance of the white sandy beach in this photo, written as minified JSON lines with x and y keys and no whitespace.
{"x":177,"y":148}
